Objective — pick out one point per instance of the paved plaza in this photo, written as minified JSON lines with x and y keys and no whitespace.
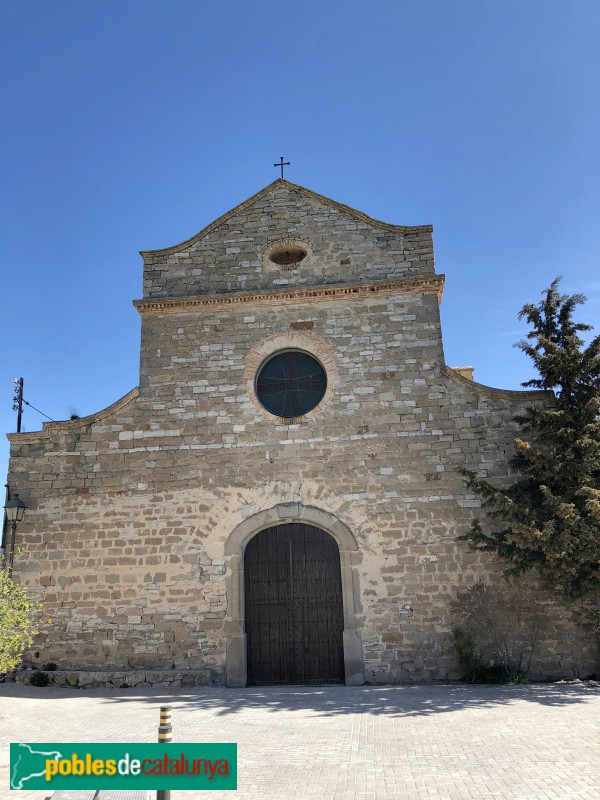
{"x":534,"y":742}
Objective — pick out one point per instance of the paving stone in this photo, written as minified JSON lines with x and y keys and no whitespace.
{"x":535,"y":742}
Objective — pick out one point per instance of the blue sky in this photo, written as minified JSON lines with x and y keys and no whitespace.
{"x":131,"y":125}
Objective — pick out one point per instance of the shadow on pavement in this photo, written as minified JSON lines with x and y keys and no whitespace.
{"x":396,"y":701}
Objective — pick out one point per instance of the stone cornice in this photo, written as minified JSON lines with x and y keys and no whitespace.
{"x":73,"y":425}
{"x":301,"y":190}
{"x":499,"y":394}
{"x":313,"y":294}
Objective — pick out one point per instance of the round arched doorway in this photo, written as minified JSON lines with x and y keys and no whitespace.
{"x":294,"y":615}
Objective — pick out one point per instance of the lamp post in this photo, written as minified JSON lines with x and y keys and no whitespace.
{"x":15,"y":511}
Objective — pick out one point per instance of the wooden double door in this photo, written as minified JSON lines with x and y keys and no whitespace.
{"x":294,"y":609}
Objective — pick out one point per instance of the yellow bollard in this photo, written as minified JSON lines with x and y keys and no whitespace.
{"x":165,"y":731}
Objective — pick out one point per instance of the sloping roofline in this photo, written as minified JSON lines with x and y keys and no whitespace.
{"x":516,"y":396}
{"x":308,"y":193}
{"x":74,"y":424}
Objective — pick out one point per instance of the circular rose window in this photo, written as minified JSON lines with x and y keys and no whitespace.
{"x":291,"y":383}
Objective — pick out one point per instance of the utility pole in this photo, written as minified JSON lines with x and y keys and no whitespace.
{"x":18,"y":401}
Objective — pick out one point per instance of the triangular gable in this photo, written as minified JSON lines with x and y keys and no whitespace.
{"x":302,"y":191}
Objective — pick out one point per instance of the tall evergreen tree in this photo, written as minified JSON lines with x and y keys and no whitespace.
{"x":549,"y":519}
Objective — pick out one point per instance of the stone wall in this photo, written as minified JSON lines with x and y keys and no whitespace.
{"x":344,"y":246}
{"x":120,"y":679}
{"x":131,"y":509}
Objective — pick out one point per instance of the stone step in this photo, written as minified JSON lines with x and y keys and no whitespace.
{"x":102,"y":794}
{"x":131,"y":794}
{"x":75,"y":794}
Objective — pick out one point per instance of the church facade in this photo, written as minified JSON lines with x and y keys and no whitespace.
{"x":278,"y":500}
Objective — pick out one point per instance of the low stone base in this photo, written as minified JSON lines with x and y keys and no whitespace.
{"x":123,"y":679}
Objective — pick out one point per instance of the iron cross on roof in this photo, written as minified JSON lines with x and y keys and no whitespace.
{"x":282,"y":164}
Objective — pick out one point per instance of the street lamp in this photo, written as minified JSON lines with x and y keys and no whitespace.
{"x":15,"y":511}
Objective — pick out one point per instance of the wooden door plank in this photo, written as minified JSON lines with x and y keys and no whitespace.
{"x":294,"y":611}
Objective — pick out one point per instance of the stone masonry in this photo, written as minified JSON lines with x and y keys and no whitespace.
{"x":139,"y":514}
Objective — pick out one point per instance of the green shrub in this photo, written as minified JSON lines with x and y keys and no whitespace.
{"x":469,"y":661}
{"x":497,"y":626}
{"x":50,"y":666}
{"x":19,"y":621}
{"x":39,"y":679}
{"x":472,"y":668}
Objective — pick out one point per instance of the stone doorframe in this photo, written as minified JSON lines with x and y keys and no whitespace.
{"x":235,"y":669}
